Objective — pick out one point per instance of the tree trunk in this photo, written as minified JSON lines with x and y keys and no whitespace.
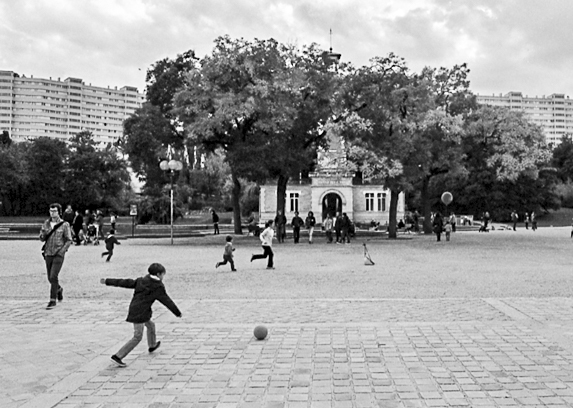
{"x":392,"y":233}
{"x":236,"y":198}
{"x":281,"y":193}
{"x":426,"y":207}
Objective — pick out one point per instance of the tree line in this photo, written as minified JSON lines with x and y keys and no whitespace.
{"x":256,"y":111}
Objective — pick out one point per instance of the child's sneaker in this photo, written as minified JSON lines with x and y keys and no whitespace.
{"x":118,"y":361}
{"x":217,"y":265}
{"x":152,"y":349}
{"x":51,"y":305}
{"x":60,"y":294}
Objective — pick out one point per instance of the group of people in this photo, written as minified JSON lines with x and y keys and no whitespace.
{"x":87,"y":228}
{"x":528,"y":219}
{"x":341,"y":226}
{"x":441,"y":224}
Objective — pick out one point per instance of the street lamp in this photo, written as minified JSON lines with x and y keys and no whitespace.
{"x":171,"y":166}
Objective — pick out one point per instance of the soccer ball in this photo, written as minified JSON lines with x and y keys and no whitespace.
{"x":260,"y":332}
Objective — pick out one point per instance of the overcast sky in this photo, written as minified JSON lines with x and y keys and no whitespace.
{"x":509,"y":45}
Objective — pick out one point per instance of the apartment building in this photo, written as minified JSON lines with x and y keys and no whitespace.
{"x":34,"y":107}
{"x":553,"y":113}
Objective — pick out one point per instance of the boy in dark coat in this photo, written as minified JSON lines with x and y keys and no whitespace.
{"x":110,"y":241}
{"x":148,"y":289}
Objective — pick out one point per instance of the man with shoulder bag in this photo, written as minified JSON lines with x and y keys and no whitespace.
{"x":57,"y":237}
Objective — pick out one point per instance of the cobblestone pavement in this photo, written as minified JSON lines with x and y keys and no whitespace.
{"x":481,"y":352}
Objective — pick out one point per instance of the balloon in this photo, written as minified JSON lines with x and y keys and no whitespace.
{"x":447,"y":198}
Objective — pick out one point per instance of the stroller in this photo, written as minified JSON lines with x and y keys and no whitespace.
{"x":90,"y":235}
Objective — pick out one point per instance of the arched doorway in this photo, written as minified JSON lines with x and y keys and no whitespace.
{"x":331,"y":204}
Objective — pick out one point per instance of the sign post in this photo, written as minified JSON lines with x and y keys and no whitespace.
{"x":133,"y":213}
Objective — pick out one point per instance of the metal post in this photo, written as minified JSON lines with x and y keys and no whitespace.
{"x":171,"y":207}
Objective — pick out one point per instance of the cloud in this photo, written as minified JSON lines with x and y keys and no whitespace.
{"x":508,"y":45}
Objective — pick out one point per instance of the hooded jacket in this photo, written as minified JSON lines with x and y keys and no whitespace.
{"x":147,"y":291}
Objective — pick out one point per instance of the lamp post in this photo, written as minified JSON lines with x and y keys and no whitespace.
{"x":171,"y":166}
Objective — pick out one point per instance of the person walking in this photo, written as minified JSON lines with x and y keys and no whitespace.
{"x":228,"y":254}
{"x":147,"y":290}
{"x":110,"y":241}
{"x":215,"y":219}
{"x":438,"y":224}
{"x":57,"y":237}
{"x":533,"y":221}
{"x":527,"y":220}
{"x":266,"y":238}
{"x":112,"y":220}
{"x":514,"y":219}
{"x":88,"y":220}
{"x":448,"y":230}
{"x":453,"y":221}
{"x":296,"y":223}
{"x":328,"y":224}
{"x":338,"y":227}
{"x":77,"y":225}
{"x":280,"y":222}
{"x":345,"y":228}
{"x":99,"y":225}
{"x":309,"y":223}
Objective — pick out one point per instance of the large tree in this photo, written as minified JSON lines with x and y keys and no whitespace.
{"x":94,"y":177}
{"x":506,"y":159}
{"x":46,"y":163}
{"x":299,"y":107}
{"x":379,"y":102}
{"x":14,"y":178}
{"x":410,"y":132}
{"x":147,"y":135}
{"x":227,"y":104}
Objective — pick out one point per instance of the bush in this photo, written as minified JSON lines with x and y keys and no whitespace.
{"x":565,"y":193}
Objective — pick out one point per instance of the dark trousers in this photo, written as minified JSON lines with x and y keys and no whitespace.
{"x":267,"y":252}
{"x":337,"y":235}
{"x":281,"y":232}
{"x":329,"y":236}
{"x":296,"y":234}
{"x":216,"y":228}
{"x":227,"y":258}
{"x":53,"y":267}
{"x":109,"y":254}
{"x":77,"y":235}
{"x":345,"y":235}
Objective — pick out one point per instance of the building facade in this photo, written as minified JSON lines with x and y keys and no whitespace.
{"x":553,"y":113}
{"x":35,"y":107}
{"x":332,"y":189}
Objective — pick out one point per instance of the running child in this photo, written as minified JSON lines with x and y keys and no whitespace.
{"x":266,"y":238}
{"x":228,"y":254}
{"x":148,"y":289}
{"x":110,"y":241}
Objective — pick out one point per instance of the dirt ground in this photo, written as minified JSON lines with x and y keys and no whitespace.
{"x":471,"y":265}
